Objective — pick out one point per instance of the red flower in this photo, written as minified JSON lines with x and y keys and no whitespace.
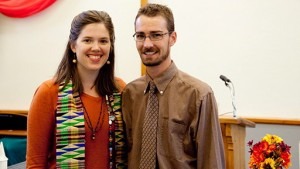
{"x":270,"y":152}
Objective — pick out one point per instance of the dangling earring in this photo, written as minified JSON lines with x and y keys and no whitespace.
{"x":74,"y":58}
{"x":108,"y":62}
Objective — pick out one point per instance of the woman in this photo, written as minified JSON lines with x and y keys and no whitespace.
{"x":74,"y":120}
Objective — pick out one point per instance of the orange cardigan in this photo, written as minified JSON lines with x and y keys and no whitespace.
{"x":41,"y":129}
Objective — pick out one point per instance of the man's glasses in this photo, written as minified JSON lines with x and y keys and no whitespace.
{"x":140,"y":37}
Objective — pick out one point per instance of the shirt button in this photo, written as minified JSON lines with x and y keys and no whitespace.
{"x":161,"y":92}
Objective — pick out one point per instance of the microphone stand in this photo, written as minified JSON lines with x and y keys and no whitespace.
{"x":232,"y":93}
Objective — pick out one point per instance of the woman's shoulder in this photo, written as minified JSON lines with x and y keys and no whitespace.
{"x":50,"y":83}
{"x":120,"y":83}
{"x":48,"y":86}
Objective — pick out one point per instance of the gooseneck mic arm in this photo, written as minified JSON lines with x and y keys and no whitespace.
{"x":232,"y":92}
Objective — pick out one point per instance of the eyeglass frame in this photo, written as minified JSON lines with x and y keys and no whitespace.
{"x":149,"y":36}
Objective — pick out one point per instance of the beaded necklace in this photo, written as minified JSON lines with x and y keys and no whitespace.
{"x":111,"y":119}
{"x":89,"y":122}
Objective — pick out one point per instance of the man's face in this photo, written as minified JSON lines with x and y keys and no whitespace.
{"x":153,"y":52}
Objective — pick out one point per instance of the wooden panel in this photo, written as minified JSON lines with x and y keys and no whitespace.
{"x":13,"y":132}
{"x":234,"y":133}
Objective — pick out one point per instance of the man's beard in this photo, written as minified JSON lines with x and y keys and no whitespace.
{"x":157,"y":62}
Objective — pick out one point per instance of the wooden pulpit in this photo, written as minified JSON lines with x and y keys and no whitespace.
{"x":234,"y":133}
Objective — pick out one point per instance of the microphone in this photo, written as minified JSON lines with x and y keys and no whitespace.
{"x":225,"y":79}
{"x":232,"y":92}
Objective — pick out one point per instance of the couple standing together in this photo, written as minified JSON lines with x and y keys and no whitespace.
{"x":85,"y":117}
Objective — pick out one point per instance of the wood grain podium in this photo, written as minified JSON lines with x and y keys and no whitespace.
{"x":234,"y":133}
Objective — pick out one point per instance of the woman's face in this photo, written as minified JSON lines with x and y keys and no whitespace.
{"x":92,"y":48}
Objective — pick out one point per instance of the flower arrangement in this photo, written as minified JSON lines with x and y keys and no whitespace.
{"x":269,"y":153}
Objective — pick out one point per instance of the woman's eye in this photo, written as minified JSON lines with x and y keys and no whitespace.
{"x":87,"y":40}
{"x":104,"y":41}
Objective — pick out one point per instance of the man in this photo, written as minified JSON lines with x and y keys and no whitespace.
{"x":187,"y":132}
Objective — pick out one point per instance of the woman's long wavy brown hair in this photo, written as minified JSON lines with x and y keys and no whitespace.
{"x":105,"y":82}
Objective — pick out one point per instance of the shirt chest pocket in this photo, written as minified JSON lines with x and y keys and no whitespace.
{"x":170,"y":138}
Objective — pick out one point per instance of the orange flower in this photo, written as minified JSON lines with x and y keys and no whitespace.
{"x":270,"y":152}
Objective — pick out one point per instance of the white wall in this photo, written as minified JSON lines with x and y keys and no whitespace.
{"x":254,"y":43}
{"x":32,"y":47}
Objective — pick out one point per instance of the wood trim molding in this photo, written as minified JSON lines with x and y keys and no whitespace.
{"x":19,"y":112}
{"x":264,"y":120}
{"x":274,"y":120}
{"x":144,"y":2}
{"x":143,"y":67}
{"x":238,"y":121}
{"x":226,"y":119}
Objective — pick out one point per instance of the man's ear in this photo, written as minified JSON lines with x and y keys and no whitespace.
{"x":173,"y":38}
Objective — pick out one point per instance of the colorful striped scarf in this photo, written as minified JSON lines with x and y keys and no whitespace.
{"x":70,"y":130}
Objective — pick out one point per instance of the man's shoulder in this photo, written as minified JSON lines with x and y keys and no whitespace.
{"x":136,"y":83}
{"x":193,"y":82}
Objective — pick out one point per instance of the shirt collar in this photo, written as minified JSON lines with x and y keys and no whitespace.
{"x":161,"y":82}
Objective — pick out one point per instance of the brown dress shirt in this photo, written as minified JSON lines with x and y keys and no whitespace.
{"x":189,"y":134}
